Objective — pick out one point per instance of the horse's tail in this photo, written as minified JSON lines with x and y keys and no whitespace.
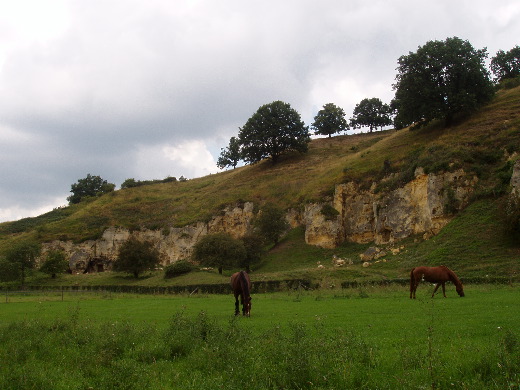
{"x":412,"y":279}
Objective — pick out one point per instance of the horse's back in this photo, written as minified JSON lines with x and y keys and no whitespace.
{"x":235,"y":280}
{"x":432,"y":274}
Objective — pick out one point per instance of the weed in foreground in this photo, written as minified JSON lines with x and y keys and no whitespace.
{"x":197,"y":352}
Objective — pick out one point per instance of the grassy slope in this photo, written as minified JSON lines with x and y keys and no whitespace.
{"x":472,"y":242}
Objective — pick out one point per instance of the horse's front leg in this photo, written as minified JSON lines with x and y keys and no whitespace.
{"x":237,"y":311}
{"x":443,"y":290}
{"x":435,"y":289}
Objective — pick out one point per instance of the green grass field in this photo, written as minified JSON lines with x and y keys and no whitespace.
{"x":369,"y":337}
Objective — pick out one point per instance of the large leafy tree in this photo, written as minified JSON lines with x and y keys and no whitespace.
{"x":55,"y":263}
{"x":506,"y":65}
{"x":270,"y":223}
{"x":274,"y":129}
{"x":21,"y":258}
{"x":372,"y":113}
{"x":136,"y":257}
{"x":330,"y":120}
{"x":89,"y":186}
{"x":219,"y":250}
{"x":440,"y":80}
{"x":254,"y":246}
{"x":230,"y":156}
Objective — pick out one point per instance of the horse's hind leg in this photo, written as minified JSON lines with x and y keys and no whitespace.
{"x":412,"y":291}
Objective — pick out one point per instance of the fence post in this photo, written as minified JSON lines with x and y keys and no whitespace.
{"x":62,"y":293}
{"x":6,"y":296}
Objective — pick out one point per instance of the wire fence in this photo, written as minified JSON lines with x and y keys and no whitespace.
{"x":54,"y":295}
{"x":108,"y":292}
{"x":60,"y":292}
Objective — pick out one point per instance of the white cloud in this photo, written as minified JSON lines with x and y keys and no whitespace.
{"x":189,"y":159}
{"x":16,"y":211}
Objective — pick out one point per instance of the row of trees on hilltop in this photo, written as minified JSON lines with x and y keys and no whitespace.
{"x":277,"y":128}
{"x":439,"y":81}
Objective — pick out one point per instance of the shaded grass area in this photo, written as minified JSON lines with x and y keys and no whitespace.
{"x":351,"y":338}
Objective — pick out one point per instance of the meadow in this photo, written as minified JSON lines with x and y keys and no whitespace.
{"x":367,"y":337}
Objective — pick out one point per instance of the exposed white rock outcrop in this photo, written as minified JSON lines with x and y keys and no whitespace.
{"x":423,"y":206}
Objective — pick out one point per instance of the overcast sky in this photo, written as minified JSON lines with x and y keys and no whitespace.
{"x":147,"y":89}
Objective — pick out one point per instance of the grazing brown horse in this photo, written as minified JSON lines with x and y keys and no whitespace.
{"x":439,"y":275}
{"x":241,"y":286}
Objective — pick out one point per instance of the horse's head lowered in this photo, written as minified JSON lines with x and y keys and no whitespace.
{"x":460,"y":289}
{"x":247,"y":306}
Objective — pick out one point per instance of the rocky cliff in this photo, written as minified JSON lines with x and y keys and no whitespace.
{"x":423,"y":206}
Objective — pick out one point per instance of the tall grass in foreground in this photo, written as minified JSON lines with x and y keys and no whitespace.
{"x":198,"y":352}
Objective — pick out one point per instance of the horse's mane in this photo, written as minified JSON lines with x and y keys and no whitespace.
{"x":453,"y":277}
{"x":245,"y":285}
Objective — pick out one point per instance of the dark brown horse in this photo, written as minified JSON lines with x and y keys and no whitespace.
{"x":439,"y":275}
{"x":241,"y":286}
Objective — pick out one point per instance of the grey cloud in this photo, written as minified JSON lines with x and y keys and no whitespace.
{"x":123,"y":77}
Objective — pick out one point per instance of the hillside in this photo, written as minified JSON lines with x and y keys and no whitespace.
{"x":481,"y":144}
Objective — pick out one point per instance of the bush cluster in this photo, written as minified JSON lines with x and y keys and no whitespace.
{"x":178,"y":268}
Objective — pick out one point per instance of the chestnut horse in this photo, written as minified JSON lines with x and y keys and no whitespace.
{"x":439,"y":275}
{"x":241,"y":286}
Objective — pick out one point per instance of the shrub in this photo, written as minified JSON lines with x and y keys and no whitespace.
{"x":178,"y":268}
{"x":329,"y":212}
{"x":511,"y":216}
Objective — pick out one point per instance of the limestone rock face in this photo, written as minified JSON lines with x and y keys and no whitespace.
{"x":319,"y":231}
{"x":421,"y":206}
{"x":236,"y":221}
{"x":177,"y":244}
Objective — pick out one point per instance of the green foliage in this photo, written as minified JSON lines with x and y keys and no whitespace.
{"x":8,"y":271}
{"x":254,"y":246}
{"x":26,"y":224}
{"x":440,"y":80}
{"x":510,"y":83}
{"x":219,"y":250}
{"x":21,"y":258}
{"x":294,"y":344}
{"x":270,"y":223}
{"x":452,"y":204}
{"x":178,"y":268}
{"x":329,"y":212}
{"x":372,"y":113}
{"x":90,"y":186}
{"x":231,"y":156}
{"x":276,"y":128}
{"x":55,"y":263}
{"x":330,"y":120}
{"x":506,"y":65}
{"x":136,"y":257}
{"x":511,"y":217}
{"x":132,"y":183}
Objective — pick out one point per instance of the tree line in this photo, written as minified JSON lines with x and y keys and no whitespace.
{"x":439,"y":81}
